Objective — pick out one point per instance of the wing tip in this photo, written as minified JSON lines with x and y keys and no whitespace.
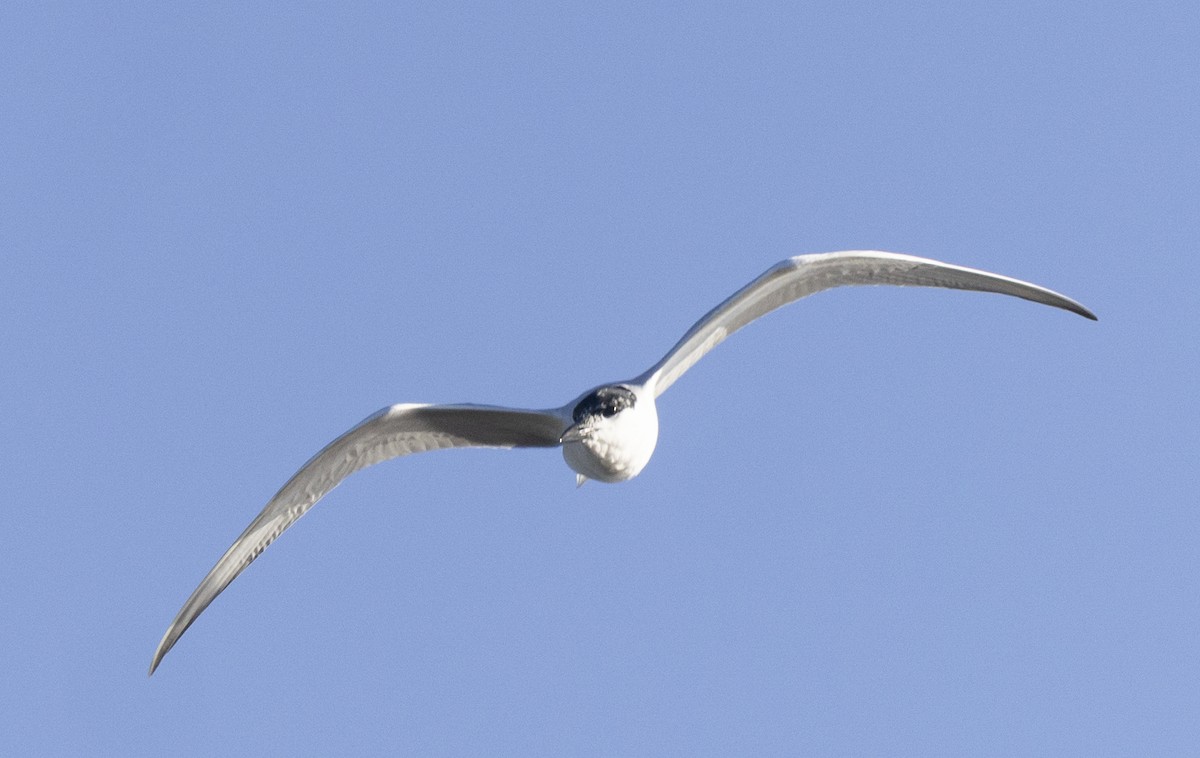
{"x":154,"y":664}
{"x":1067,"y":304}
{"x":164,"y":647}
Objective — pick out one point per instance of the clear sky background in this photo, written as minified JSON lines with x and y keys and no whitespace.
{"x":903,"y":522}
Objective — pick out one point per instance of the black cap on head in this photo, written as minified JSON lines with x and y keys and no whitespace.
{"x":606,"y":402}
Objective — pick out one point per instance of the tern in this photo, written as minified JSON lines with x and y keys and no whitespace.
{"x":608,"y":433}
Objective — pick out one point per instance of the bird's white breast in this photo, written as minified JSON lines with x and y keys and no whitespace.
{"x":618,"y":448}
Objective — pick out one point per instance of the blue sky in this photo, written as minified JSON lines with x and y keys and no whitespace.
{"x":878,"y":522}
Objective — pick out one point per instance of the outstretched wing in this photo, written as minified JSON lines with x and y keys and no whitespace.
{"x":390,"y":433}
{"x":805,"y":275}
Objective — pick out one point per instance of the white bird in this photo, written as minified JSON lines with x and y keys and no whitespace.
{"x":608,"y":433}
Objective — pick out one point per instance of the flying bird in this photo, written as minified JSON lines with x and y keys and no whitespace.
{"x":608,"y":433}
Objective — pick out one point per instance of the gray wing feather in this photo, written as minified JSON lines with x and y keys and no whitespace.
{"x":390,"y":433}
{"x":805,"y":275}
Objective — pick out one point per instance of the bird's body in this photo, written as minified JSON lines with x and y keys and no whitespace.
{"x":613,"y":433}
{"x":608,"y":433}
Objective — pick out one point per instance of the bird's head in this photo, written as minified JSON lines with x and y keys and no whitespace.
{"x":598,"y":409}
